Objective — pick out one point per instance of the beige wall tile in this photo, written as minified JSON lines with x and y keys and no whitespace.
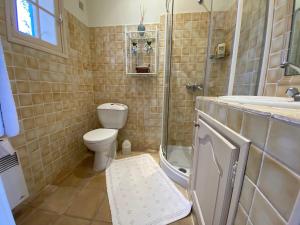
{"x":241,"y":217}
{"x":254,"y":163}
{"x":255,"y":127}
{"x":283,"y":143}
{"x":262,"y":212}
{"x":234,"y":119}
{"x":279,"y":44}
{"x":221,"y":113}
{"x":279,"y":185}
{"x":51,"y":94}
{"x":247,"y":194}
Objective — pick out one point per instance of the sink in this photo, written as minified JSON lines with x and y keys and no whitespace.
{"x":277,"y":102}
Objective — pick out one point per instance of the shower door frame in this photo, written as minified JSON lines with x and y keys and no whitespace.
{"x":166,"y":82}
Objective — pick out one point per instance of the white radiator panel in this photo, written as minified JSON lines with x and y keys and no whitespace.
{"x":6,"y":217}
{"x":13,"y":180}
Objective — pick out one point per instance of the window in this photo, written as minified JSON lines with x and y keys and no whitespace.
{"x":37,"y":24}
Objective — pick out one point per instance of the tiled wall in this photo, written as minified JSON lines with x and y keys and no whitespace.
{"x":251,"y":47}
{"x":143,"y":95}
{"x":55,"y":104}
{"x":276,"y":83}
{"x":272,"y":178}
{"x":219,"y":69}
{"x":188,"y":60}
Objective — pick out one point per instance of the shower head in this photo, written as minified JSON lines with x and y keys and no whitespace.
{"x":200,"y":1}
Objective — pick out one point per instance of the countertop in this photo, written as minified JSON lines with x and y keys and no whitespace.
{"x":288,"y":115}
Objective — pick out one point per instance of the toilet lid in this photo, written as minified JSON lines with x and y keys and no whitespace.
{"x":99,"y":135}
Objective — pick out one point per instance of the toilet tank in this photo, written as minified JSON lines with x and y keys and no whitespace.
{"x":112,"y":115}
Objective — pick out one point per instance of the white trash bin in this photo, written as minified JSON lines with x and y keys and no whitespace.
{"x":126,"y":147}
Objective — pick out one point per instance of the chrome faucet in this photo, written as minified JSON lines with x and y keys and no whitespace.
{"x":194,"y":87}
{"x":294,"y":93}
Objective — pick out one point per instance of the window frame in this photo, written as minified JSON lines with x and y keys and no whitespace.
{"x":16,"y":36}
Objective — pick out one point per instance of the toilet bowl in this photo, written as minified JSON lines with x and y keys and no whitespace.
{"x":103,"y":141}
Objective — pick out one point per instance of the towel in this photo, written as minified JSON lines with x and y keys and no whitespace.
{"x":1,"y":124}
{"x":9,"y":124}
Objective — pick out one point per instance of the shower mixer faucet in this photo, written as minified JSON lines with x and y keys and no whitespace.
{"x":293,"y":93}
{"x":194,"y":87}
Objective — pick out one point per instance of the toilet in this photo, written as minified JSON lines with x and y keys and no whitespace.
{"x":103,"y":141}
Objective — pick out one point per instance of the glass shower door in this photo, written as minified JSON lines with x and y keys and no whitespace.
{"x":183,"y":81}
{"x":221,"y":39}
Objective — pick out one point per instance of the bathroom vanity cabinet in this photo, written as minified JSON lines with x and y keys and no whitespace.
{"x":244,"y":155}
{"x":217,"y":170}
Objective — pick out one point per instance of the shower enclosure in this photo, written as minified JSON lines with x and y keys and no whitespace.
{"x":194,"y":67}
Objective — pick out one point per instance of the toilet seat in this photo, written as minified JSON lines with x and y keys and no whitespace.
{"x":100,"y":135}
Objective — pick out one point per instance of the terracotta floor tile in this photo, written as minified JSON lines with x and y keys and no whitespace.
{"x":45,"y":193}
{"x":103,"y":213}
{"x":21,"y":213}
{"x":66,"y":220}
{"x":86,"y":203}
{"x":182,"y":190}
{"x":85,"y":168}
{"x":60,"y":200}
{"x":73,"y":181}
{"x":97,"y":182}
{"x":185,"y":221}
{"x":40,"y":217}
{"x":80,"y":196}
{"x":100,"y":223}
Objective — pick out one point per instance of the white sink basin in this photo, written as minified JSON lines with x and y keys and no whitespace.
{"x":278,"y":102}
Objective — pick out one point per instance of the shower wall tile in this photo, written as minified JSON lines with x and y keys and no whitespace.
{"x":276,"y":83}
{"x":223,"y":32}
{"x":250,"y":48}
{"x":188,"y":59}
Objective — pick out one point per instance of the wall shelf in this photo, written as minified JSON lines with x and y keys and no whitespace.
{"x":141,"y":50}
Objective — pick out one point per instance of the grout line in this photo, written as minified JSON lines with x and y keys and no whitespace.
{"x":285,"y":166}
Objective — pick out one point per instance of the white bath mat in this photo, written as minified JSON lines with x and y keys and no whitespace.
{"x":140,"y":193}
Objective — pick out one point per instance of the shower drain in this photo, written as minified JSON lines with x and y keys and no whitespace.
{"x":182,"y":170}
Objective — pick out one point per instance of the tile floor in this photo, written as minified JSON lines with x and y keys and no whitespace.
{"x":78,"y":199}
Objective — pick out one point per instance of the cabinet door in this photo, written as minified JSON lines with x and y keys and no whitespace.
{"x":211,"y":186}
